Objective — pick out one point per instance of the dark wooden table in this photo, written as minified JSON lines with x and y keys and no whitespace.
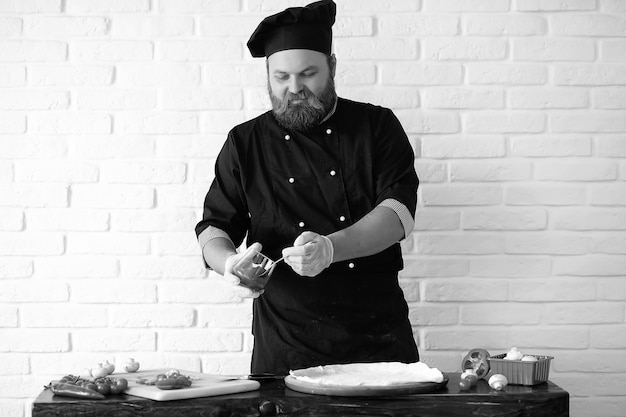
{"x":274,"y":398}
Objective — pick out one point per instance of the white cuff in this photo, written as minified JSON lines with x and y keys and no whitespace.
{"x":208,"y":235}
{"x":403,"y":214}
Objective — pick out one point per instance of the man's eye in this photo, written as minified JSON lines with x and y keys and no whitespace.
{"x":282,"y":77}
{"x":309,"y":74}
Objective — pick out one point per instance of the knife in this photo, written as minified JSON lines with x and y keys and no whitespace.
{"x":261,"y":377}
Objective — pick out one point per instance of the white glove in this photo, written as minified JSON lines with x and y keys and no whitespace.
{"x":231,"y":261}
{"x":311,"y":254}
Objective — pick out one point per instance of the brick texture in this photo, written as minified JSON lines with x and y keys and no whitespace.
{"x":112,"y":113}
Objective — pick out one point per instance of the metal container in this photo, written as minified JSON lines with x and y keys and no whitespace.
{"x":520,"y":372}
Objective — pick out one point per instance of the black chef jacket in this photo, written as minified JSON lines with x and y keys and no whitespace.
{"x":272,"y":184}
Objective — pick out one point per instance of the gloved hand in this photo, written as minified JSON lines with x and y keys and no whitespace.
{"x":311,"y":254}
{"x":231,"y":261}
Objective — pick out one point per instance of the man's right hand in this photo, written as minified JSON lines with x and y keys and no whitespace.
{"x":231,"y":261}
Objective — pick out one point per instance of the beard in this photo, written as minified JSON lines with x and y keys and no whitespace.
{"x":306,"y":113}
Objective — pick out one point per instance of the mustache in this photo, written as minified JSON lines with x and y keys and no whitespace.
{"x":304,"y":95}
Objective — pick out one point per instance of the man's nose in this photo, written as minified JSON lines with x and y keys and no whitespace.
{"x":295,"y":86}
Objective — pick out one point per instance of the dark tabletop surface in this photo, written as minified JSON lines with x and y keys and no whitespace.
{"x":274,"y":398}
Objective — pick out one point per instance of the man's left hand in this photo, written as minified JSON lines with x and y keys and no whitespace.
{"x":311,"y":254}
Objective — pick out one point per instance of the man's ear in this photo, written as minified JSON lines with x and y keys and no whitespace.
{"x":333,"y":65}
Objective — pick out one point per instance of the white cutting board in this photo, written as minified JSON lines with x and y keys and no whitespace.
{"x":203,"y":385}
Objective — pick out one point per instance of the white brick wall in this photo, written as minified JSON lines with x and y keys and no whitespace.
{"x":112,"y":113}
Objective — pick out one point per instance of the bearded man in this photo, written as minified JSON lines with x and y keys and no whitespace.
{"x":329,"y":185}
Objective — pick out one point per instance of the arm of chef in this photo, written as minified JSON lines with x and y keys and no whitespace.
{"x":386,"y":224}
{"x":216,"y":248}
{"x":396,"y":183}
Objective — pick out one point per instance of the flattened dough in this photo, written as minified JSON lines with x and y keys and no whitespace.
{"x":368,"y":374}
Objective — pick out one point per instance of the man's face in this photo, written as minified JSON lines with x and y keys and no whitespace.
{"x":301,"y":87}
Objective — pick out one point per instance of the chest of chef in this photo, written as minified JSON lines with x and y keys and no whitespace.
{"x":319,"y":181}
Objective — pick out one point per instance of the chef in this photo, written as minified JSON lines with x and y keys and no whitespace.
{"x":327,"y":183}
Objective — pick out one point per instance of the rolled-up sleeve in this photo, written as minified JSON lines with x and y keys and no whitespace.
{"x":225,"y":211}
{"x":396,"y":181}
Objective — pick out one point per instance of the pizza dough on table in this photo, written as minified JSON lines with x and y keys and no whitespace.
{"x":369,"y":374}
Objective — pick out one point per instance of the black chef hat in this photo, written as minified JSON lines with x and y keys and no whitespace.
{"x":308,"y":27}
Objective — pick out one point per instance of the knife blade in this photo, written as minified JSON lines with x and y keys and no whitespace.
{"x":264,"y":376}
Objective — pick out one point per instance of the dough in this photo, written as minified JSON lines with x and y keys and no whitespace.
{"x":368,"y":374}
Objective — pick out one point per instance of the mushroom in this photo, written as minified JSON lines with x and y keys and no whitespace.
{"x":514,"y":354}
{"x":498,"y":382}
{"x":131,"y":365}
